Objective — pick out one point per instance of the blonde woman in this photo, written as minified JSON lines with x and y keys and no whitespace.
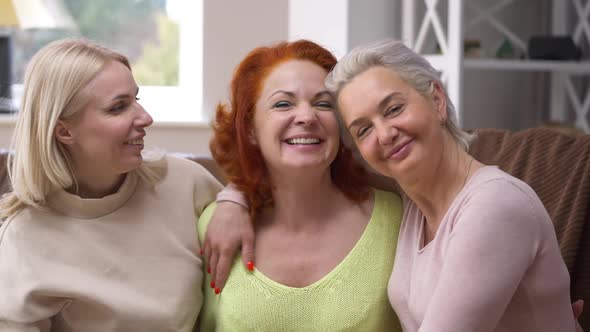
{"x":95,"y":237}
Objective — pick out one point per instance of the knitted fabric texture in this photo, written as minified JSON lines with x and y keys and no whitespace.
{"x":352,"y":297}
{"x":557,"y":167}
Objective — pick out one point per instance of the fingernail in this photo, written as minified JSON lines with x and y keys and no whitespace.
{"x":212,"y":284}
{"x":201,"y":252}
{"x":217,"y":290}
{"x":209,"y":269}
{"x":250,"y":265}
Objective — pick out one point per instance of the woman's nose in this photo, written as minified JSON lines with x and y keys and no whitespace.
{"x":386,"y":134}
{"x":143,"y":118}
{"x":305,"y":115}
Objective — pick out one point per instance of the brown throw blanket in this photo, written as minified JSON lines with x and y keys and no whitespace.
{"x":557,"y":167}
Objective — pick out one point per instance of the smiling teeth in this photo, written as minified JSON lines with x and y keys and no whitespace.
{"x":303,"y":141}
{"x":138,"y":141}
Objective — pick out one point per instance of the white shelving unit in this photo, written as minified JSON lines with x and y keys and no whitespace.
{"x":569,"y":67}
{"x":451,"y":61}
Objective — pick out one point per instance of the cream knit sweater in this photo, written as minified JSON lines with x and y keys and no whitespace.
{"x":126,"y":262}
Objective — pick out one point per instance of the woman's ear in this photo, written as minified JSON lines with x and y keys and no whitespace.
{"x":252,"y":137}
{"x":440,"y":102}
{"x":63,"y":132}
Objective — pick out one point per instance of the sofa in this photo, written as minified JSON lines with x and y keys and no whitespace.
{"x":555,"y":164}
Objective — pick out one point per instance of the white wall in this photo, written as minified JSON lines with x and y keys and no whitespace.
{"x":340,"y":25}
{"x":232,"y":28}
{"x":371,"y":20}
{"x":322,"y":21}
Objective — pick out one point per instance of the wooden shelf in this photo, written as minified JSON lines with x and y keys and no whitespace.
{"x":452,"y":64}
{"x":571,"y":67}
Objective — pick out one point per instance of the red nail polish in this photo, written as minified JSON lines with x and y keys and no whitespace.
{"x":217,"y":290}
{"x":250,"y":265}
{"x":212,"y":284}
{"x":201,"y":252}
{"x":209,"y":269}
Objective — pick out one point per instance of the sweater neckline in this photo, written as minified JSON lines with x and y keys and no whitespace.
{"x":344,"y":264}
{"x":90,"y":208}
{"x":421,"y":228}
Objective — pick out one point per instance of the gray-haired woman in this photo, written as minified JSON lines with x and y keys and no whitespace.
{"x":477,"y":250}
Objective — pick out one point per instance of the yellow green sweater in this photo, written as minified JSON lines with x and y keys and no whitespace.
{"x":352,"y":297}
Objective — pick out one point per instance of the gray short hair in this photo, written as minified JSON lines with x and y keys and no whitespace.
{"x":410,"y":66}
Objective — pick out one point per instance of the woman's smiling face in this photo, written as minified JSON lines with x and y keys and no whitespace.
{"x":294,"y":121}
{"x":395,"y":128}
{"x":107,"y":135}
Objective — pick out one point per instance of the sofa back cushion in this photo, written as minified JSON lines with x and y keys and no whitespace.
{"x":557,"y":167}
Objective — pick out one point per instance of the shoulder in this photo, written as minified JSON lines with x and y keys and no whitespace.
{"x":177,"y":163}
{"x":183,"y":170}
{"x":498,"y":199}
{"x":20,"y":222}
{"x":388,"y":205}
{"x":499,"y":188}
{"x":31,"y":244}
{"x":387,"y":198}
{"x":188,"y":178}
{"x":7,"y":228}
{"x":25,"y":232}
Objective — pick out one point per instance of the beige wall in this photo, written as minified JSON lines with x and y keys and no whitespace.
{"x":231,"y":29}
{"x":179,"y":138}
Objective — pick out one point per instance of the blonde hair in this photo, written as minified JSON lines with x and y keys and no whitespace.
{"x":53,"y":89}
{"x":410,"y":66}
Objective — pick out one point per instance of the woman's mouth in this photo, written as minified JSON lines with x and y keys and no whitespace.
{"x":303,"y":141}
{"x":400,"y":151}
{"x":137,"y":141}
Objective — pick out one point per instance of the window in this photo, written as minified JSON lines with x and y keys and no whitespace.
{"x":161,"y":38}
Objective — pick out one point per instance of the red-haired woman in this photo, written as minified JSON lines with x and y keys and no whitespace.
{"x":325,"y":241}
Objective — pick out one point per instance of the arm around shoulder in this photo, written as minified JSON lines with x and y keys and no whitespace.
{"x":205,"y":186}
{"x":204,"y":220}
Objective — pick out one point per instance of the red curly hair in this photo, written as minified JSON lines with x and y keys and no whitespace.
{"x":242,"y":161}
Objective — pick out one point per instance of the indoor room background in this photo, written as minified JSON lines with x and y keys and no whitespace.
{"x":183,"y":52}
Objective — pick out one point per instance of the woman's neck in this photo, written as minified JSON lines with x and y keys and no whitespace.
{"x":91,"y":184}
{"x":434,"y":192}
{"x":303,"y":200}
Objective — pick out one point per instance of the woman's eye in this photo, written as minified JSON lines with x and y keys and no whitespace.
{"x":118,"y":108}
{"x":362,"y":131}
{"x":281,"y":104}
{"x":325,"y":104}
{"x":394,"y":110}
